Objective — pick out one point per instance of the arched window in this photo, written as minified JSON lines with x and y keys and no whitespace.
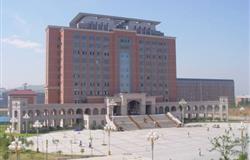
{"x":161,"y":110}
{"x":70,"y":111}
{"x":79,"y":111}
{"x":95,"y":111}
{"x":173,"y":109}
{"x":103,"y":111}
{"x":87,"y":111}
{"x":166,"y":109}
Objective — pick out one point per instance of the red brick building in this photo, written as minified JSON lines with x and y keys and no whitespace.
{"x":23,"y":94}
{"x":100,"y":55}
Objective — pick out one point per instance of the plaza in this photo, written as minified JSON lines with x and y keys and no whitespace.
{"x":190,"y":142}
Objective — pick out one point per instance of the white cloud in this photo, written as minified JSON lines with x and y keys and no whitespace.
{"x":22,"y":43}
{"x":20,"y":20}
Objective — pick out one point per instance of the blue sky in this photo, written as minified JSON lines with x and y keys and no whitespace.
{"x":212,"y":35}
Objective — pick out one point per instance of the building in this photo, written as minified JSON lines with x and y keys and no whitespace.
{"x":116,"y":70}
{"x":242,"y":100}
{"x":205,"y":89}
{"x":124,"y":111}
{"x":3,"y":98}
{"x":100,"y":55}
{"x":27,"y":94}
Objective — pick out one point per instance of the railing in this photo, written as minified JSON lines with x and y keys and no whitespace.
{"x":157,"y":123}
{"x":137,"y":125}
{"x":174,"y":119}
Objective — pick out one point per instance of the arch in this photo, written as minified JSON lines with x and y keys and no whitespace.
{"x":133,"y":108}
{"x":103,"y":111}
{"x":70,"y":111}
{"x":87,"y":111}
{"x":37,"y":113}
{"x":166,"y":109}
{"x":195,"y":108}
{"x":173,"y":109}
{"x":79,"y":111}
{"x":216,"y":108}
{"x":188,"y":108}
{"x":160,"y":110}
{"x":95,"y":111}
{"x":209,"y":108}
{"x":30,"y":113}
{"x":45,"y":112}
{"x":53,"y":112}
{"x":61,"y":112}
{"x":202,"y":108}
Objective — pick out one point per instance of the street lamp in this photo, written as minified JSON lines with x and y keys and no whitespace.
{"x":26,"y":117}
{"x":242,"y":111}
{"x":16,"y":146}
{"x":183,"y":103}
{"x":90,"y":142}
{"x":152,"y":137}
{"x":103,"y":141}
{"x":13,"y":120}
{"x":108,"y":128}
{"x":242,"y":129}
{"x":37,"y":125}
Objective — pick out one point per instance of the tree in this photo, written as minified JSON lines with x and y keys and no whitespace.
{"x":225,"y":145}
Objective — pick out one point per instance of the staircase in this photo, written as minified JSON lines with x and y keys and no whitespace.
{"x":154,"y":121}
{"x":134,"y":122}
{"x":124,"y":123}
{"x":163,"y":121}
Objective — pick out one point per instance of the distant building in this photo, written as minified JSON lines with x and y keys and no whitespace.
{"x":243,"y":100}
{"x":27,"y":94}
{"x":3,"y":98}
{"x":205,"y":89}
{"x":40,"y":97}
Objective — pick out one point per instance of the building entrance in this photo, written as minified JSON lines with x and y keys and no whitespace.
{"x":133,"y":108}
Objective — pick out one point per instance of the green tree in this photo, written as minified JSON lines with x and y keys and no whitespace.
{"x":225,"y":145}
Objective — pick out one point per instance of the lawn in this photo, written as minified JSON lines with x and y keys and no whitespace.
{"x":31,"y":155}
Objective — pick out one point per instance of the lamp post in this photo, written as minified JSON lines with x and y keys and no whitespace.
{"x":103,"y":140}
{"x":108,"y":128}
{"x":90,"y":142}
{"x":9,"y":130}
{"x":152,"y":137}
{"x":242,"y":129}
{"x":37,"y":125}
{"x":183,"y":103}
{"x":242,"y":111}
{"x":16,"y":146}
{"x":26,"y":117}
{"x":13,"y":120}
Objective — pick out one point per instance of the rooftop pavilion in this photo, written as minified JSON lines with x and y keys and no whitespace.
{"x":109,"y":23}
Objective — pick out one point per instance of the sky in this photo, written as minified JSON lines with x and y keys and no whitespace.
{"x":212,"y":36}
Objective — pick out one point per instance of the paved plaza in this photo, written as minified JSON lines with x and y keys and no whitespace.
{"x":189,"y":143}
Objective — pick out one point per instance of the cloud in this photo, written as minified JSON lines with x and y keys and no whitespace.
{"x":20,"y":20}
{"x":22,"y":43}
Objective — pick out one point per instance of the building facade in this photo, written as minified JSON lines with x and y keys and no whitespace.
{"x":242,"y":100}
{"x":128,"y":111}
{"x":99,"y":55}
{"x":205,"y":89}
